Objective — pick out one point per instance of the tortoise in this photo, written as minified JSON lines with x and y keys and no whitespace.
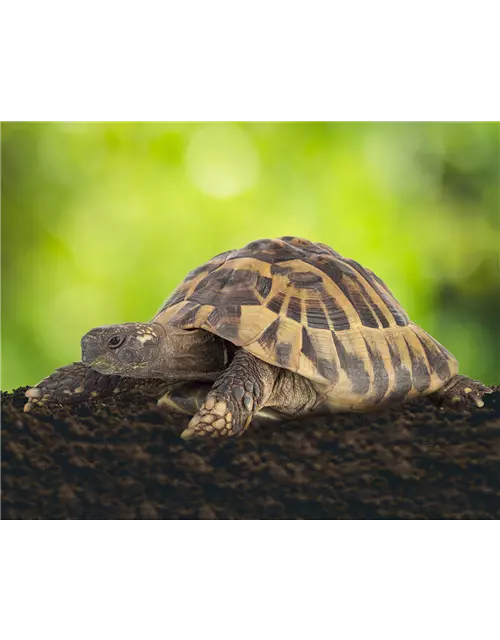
{"x":284,"y":325}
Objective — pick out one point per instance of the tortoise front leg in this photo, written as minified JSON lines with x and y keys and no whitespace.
{"x":76,"y":383}
{"x":247,"y":386}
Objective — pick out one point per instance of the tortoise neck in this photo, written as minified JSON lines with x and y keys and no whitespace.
{"x":193,"y":354}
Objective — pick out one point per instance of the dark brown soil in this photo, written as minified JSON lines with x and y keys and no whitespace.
{"x":126,"y":460}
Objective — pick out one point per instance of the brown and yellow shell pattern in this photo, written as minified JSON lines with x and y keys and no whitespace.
{"x":302,"y":306}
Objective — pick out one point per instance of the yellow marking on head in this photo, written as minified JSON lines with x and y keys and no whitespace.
{"x":78,"y":390}
{"x":144,"y":338}
{"x":467,"y":389}
{"x":94,"y":394}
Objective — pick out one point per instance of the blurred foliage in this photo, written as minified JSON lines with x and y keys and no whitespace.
{"x":100,"y":221}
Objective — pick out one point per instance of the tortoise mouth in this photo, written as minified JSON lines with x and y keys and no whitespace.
{"x":99,"y":364}
{"x":89,"y":351}
{"x":95,"y":355}
{"x":91,"y":348}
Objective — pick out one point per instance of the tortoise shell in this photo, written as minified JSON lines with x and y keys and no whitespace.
{"x":302,"y":306}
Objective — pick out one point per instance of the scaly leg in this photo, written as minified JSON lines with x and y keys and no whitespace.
{"x":184,"y":397}
{"x":77,"y":383}
{"x":461,"y":393}
{"x":245,"y":387}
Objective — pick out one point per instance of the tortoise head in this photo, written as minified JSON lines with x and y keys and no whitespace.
{"x":150,"y":350}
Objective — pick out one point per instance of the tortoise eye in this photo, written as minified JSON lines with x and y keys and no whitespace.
{"x":115,"y":342}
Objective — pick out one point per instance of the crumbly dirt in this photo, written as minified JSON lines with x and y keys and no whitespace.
{"x":125,"y":459}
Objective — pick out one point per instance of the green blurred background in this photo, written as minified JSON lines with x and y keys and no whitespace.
{"x":100,"y":221}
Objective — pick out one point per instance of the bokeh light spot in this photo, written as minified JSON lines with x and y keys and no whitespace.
{"x":222,"y":161}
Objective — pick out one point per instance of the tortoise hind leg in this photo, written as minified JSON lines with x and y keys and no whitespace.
{"x":461,"y":392}
{"x":247,"y":386}
{"x":184,"y":397}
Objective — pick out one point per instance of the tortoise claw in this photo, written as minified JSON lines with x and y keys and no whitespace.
{"x":213,"y":419}
{"x":462,"y":394}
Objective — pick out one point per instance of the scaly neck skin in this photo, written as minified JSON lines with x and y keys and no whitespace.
{"x":153,"y":350}
{"x":190,"y":355}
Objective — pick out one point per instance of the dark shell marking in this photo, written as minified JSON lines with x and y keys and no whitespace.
{"x":278,"y":270}
{"x":185,"y":316}
{"x":306,"y":295}
{"x":316,"y":317}
{"x":294,"y":310}
{"x":270,"y":251}
{"x":419,"y":369}
{"x":276,"y":302}
{"x":305,"y":279}
{"x":403,"y":383}
{"x":226,"y":321}
{"x":354,"y":367}
{"x":264,"y":285}
{"x":380,"y":375}
{"x":283,"y":351}
{"x":177,"y":296}
{"x":436,"y":358}
{"x":180,"y":293}
{"x":222,"y":282}
{"x":326,"y":368}
{"x":337,"y":315}
{"x":269,"y":337}
{"x":236,"y":287}
{"x":378,"y":312}
{"x":352,"y":288}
